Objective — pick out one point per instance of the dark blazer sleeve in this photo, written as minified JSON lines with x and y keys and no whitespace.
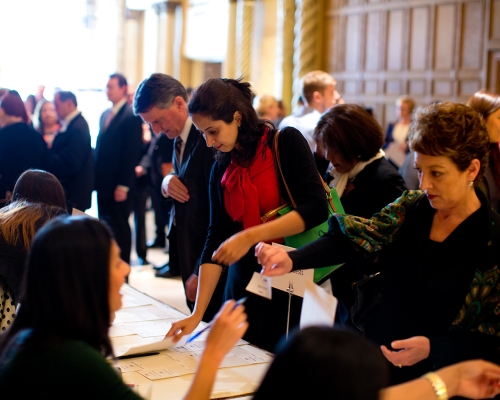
{"x":68,"y":158}
{"x":131,"y":151}
{"x":302,"y":178}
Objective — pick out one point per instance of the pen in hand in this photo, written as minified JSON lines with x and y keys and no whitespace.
{"x":209,"y":325}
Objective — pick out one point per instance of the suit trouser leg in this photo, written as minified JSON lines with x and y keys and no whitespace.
{"x":173,"y":258}
{"x":116,"y":215}
{"x":141,"y":197}
{"x":161,"y":220}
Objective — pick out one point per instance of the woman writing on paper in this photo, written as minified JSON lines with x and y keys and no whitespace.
{"x":244,"y":185}
{"x":59,"y":338}
{"x":438,"y":250}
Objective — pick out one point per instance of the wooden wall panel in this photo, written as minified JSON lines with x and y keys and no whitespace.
{"x":495,"y":20}
{"x":444,"y":36}
{"x":395,"y":40}
{"x":419,"y":38}
{"x":353,"y":42}
{"x":374,"y":48}
{"x":428,"y":49}
{"x":472,"y":35}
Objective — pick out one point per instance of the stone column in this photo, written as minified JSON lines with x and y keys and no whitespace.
{"x":244,"y":29}
{"x":307,"y":44}
{"x":285,"y":44}
{"x":229,"y":65}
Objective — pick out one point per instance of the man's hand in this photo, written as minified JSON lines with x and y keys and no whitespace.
{"x":120,"y":195}
{"x":140,"y":171}
{"x":411,"y":351}
{"x":173,"y":187}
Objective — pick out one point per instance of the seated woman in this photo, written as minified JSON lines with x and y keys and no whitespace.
{"x":488,"y":107}
{"x":60,"y":337}
{"x":365,"y":181}
{"x":439,"y":250}
{"x":37,"y":197}
{"x":349,"y":367}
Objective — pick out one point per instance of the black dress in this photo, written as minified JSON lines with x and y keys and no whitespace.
{"x":445,"y":291}
{"x":267,"y":319}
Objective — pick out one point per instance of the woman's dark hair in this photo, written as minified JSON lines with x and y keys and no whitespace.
{"x":218,"y":99}
{"x":37,"y":186}
{"x":65,"y":293}
{"x":451,"y":130}
{"x":13,"y":105}
{"x":327,"y":363}
{"x":350,"y":130}
{"x":486,"y":104}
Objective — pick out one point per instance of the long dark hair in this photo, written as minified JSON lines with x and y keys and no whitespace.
{"x":328,"y":362}
{"x":65,"y":293}
{"x":218,"y":99}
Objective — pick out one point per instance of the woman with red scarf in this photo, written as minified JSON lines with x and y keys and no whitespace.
{"x":244,"y":185}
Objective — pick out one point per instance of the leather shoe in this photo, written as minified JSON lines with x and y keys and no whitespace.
{"x":164,"y":273}
{"x":142,"y":261}
{"x":157,"y":243}
{"x":158,"y":267}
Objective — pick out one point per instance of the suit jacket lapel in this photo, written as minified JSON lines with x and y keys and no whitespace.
{"x":188,"y":149}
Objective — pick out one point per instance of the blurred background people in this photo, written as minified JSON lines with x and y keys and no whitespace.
{"x":70,"y":157}
{"x":46,"y":122}
{"x":21,"y":147}
{"x":267,"y":107}
{"x":117,"y":152}
{"x":488,"y":106}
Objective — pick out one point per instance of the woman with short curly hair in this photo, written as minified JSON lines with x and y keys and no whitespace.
{"x":438,"y":250}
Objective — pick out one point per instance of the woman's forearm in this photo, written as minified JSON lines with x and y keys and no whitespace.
{"x":208,"y":278}
{"x":286,"y":225}
{"x":203,"y":381}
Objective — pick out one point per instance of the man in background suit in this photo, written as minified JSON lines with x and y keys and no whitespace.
{"x":117,"y":152}
{"x":70,"y":157}
{"x":160,"y":100}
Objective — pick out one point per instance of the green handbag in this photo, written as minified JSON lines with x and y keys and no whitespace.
{"x":306,"y":237}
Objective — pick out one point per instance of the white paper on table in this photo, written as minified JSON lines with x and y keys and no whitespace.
{"x":146,"y":329}
{"x":118,"y":330}
{"x":129,"y":366}
{"x":260,"y":285}
{"x":318,"y":307}
{"x":166,"y":372}
{"x":131,"y":301}
{"x":144,"y":313}
{"x":394,"y":152}
{"x":296,"y":279}
{"x":164,"y":344}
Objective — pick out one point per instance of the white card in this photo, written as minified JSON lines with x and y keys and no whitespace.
{"x":260,"y":285}
{"x":318,"y":307}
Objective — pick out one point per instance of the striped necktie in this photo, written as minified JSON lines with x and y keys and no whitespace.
{"x":178,"y":147}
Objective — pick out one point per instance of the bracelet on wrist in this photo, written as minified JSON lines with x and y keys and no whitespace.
{"x":438,"y":385}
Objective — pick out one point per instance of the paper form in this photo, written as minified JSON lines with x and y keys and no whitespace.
{"x":167,"y":372}
{"x":129,"y":366}
{"x":154,"y":345}
{"x":318,"y":307}
{"x":144,"y":313}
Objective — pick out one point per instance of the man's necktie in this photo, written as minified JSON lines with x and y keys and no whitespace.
{"x":178,"y":147}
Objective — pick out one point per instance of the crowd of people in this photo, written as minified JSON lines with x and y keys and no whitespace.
{"x":430,"y":256}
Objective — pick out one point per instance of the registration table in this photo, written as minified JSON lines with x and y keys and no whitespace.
{"x":167,"y":375}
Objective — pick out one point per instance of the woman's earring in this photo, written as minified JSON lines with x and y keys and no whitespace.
{"x":471,"y":183}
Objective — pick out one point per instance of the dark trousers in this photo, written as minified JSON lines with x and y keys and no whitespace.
{"x":140,"y":200}
{"x":162,"y":209}
{"x":116,"y":216}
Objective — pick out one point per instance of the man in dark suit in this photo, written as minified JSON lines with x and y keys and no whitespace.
{"x":160,"y":100}
{"x":70,"y":157}
{"x":117,"y":152}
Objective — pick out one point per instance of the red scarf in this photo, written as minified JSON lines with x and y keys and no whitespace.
{"x":250,"y":192}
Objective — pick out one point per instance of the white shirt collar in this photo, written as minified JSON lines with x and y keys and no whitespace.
{"x":185,"y":132}
{"x":118,"y":106}
{"x":71,"y":116}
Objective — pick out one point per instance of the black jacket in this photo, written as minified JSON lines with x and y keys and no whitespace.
{"x":70,"y":160}
{"x":117,"y":152}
